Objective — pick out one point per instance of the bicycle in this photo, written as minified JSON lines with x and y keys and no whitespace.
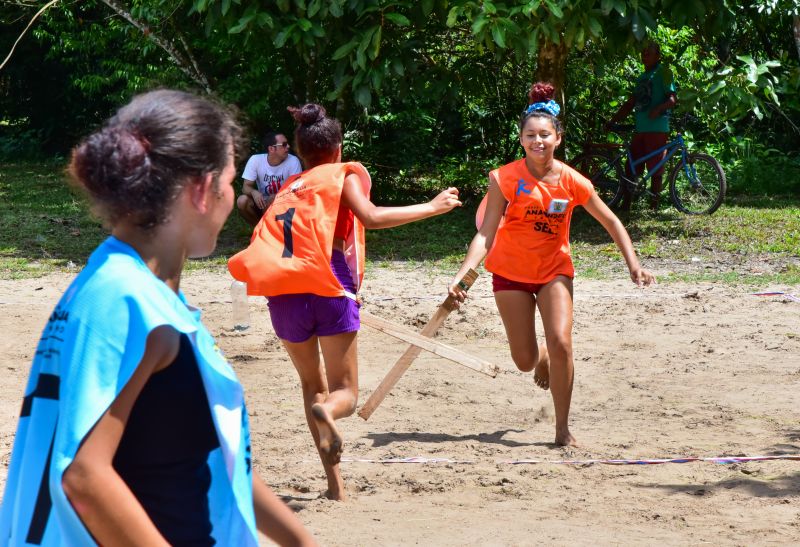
{"x":697,"y":182}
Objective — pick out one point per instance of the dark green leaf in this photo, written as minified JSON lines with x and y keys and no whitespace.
{"x":363,"y":96}
{"x":499,"y":35}
{"x":555,"y":9}
{"x":647,"y":18}
{"x":313,"y":8}
{"x":595,"y":27}
{"x":719,"y":84}
{"x":397,"y":67}
{"x":398,"y":19}
{"x":479,"y":23}
{"x":283,"y":36}
{"x":452,"y":17}
{"x":637,"y":27}
{"x":241,"y":25}
{"x":344,"y":50}
{"x":375,"y":46}
{"x":318,"y":31}
{"x":264,"y":20}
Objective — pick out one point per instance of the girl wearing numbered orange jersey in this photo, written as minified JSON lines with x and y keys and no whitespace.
{"x":523,"y":231}
{"x":307,"y":257}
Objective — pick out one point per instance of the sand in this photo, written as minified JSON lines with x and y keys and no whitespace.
{"x":673,"y":371}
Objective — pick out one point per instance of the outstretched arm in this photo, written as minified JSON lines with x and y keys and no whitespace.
{"x":619,"y":234}
{"x":374,"y":217}
{"x":483,"y":240}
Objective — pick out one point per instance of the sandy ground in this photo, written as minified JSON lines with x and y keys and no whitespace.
{"x":677,"y":370}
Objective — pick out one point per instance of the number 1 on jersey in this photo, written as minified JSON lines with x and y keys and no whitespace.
{"x":288,"y":244}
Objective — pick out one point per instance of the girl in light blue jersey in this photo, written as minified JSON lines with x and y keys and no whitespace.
{"x":133,"y":427}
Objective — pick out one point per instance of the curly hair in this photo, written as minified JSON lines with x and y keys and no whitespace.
{"x":540,"y":92}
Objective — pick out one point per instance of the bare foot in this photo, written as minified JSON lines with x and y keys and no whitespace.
{"x":330,"y":440}
{"x":335,"y":495}
{"x":541,"y":374}
{"x":565,"y":438}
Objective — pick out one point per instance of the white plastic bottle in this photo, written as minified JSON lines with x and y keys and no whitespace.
{"x":241,"y":312}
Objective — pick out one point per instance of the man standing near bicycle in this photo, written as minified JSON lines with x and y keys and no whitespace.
{"x":652,"y":99}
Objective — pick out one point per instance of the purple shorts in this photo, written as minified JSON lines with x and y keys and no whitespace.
{"x":298,"y":317}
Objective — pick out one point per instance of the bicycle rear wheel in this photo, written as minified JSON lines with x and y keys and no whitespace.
{"x":698,"y":187}
{"x":604,"y":175}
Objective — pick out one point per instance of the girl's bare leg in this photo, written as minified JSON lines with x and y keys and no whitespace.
{"x":305,"y":357}
{"x":340,"y":352}
{"x":555,"y":305}
{"x":518,"y":310}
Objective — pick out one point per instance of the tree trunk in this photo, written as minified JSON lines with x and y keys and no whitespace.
{"x":551,"y":66}
{"x":797,"y":34}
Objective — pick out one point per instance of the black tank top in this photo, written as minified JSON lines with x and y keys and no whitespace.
{"x":163,"y":451}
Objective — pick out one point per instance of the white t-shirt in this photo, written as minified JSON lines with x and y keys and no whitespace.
{"x":270,"y":178}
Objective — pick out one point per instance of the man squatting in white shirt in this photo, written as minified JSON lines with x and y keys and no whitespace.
{"x":264,"y":175}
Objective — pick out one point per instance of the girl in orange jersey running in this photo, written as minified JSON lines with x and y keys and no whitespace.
{"x":525,"y":232}
{"x":307,"y":257}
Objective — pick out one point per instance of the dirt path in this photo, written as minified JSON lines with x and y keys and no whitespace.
{"x":677,"y":370}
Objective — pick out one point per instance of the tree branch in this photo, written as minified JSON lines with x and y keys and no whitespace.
{"x":38,"y":13}
{"x":186,"y":66}
{"x":192,"y":60}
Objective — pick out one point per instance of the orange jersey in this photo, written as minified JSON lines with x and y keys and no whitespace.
{"x":532,"y":241}
{"x":290,"y":251}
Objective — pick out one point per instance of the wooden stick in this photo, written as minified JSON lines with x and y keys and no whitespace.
{"x":405,"y":360}
{"x":429,"y":344}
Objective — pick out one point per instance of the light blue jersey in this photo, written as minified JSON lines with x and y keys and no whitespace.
{"x":90,"y":348}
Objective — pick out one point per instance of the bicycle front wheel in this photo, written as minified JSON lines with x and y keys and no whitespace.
{"x":698,"y":186}
{"x":604,"y":175}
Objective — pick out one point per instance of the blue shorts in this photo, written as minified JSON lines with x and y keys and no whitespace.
{"x":298,"y":317}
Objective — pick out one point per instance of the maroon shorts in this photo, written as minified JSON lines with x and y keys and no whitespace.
{"x":500,"y":283}
{"x":298,"y":317}
{"x":644,"y":143}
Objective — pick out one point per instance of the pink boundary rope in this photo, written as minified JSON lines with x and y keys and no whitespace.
{"x":791,"y":297}
{"x":647,"y":461}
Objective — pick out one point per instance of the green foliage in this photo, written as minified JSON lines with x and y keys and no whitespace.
{"x":757,"y":170}
{"x":426,"y":90}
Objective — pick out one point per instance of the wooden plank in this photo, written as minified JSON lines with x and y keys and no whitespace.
{"x":429,"y":344}
{"x":405,"y":360}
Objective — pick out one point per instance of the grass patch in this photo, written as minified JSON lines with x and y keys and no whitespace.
{"x":45,"y":226}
